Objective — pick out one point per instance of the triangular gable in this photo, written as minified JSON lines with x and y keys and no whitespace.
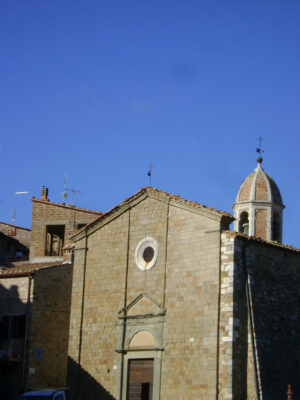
{"x":143,"y":304}
{"x":154,"y":193}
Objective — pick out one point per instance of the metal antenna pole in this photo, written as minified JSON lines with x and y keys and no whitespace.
{"x":66,"y":189}
{"x":15,"y":205}
{"x":64,"y":194}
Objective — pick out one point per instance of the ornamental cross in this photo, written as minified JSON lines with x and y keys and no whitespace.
{"x":259,"y":149}
{"x":150,"y":173}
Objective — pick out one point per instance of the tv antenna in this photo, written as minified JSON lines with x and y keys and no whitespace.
{"x":15,"y":205}
{"x":66,"y":189}
{"x":150,"y":173}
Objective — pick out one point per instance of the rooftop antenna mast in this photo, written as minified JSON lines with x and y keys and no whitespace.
{"x":64,"y":193}
{"x":15,"y":205}
{"x":150,"y":173}
{"x":66,"y":189}
{"x":259,"y":149}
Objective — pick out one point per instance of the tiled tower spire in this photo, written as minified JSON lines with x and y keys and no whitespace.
{"x":258,"y":206}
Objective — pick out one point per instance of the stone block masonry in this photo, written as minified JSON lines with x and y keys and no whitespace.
{"x":259,"y":326}
{"x":45,"y":213}
{"x":180,"y":310}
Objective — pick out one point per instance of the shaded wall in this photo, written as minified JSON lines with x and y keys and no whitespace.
{"x":13,"y":299}
{"x":259,"y":325}
{"x":49,"y":331}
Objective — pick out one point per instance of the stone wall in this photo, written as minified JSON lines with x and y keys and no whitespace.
{"x":180,"y":309}
{"x":49,"y":330}
{"x":13,"y":301}
{"x":13,"y":295}
{"x":19,"y":233}
{"x":13,"y":239}
{"x":192,"y":293}
{"x":46,"y":213}
{"x":259,"y":319}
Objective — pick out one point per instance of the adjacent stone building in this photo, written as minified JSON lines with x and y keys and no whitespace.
{"x":14,"y":242}
{"x":52,"y":226}
{"x":259,"y":318}
{"x":167,"y":303}
{"x":34,"y":325}
{"x":35,"y":299}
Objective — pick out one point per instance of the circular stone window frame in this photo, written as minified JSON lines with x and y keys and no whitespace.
{"x":139,"y":252}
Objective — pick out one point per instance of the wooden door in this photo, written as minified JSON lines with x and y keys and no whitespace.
{"x":140,"y":379}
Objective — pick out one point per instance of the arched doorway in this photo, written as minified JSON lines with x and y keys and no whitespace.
{"x":140,"y":370}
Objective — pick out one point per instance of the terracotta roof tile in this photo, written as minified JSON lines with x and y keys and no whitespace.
{"x":28,"y":267}
{"x":260,"y":240}
{"x":161,"y":192}
{"x":65,"y":206}
{"x":15,"y":226}
{"x":181,"y":199}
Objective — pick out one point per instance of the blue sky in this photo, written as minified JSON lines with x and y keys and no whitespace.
{"x":103,"y":88}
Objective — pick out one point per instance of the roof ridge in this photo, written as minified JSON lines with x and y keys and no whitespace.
{"x":150,"y":188}
{"x":29,"y":267}
{"x":66,"y":206}
{"x":195,"y":203}
{"x":15,"y":226}
{"x":260,"y":240}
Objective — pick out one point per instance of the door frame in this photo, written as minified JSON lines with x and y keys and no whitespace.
{"x":146,"y":354}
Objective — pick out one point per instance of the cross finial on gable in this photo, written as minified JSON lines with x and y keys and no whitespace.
{"x":150,"y":173}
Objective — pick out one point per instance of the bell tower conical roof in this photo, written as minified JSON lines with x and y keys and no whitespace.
{"x":259,"y":186}
{"x":258,"y":206}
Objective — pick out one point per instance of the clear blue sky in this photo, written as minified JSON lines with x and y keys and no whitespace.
{"x":101,"y":88}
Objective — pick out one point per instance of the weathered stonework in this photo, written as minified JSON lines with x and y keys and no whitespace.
{"x":259,"y":330}
{"x":34,"y":353}
{"x":207,"y":306}
{"x":182,"y":313}
{"x":46,"y":213}
{"x":14,"y":240}
{"x":49,"y":329}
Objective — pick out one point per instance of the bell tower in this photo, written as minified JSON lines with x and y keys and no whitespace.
{"x":258,"y":206}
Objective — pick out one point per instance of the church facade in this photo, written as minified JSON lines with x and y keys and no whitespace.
{"x":168,"y":303}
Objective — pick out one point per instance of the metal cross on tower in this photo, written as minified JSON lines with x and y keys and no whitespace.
{"x":150,"y":173}
{"x":259,"y":149}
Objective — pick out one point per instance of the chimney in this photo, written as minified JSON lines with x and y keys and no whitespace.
{"x":44,"y":193}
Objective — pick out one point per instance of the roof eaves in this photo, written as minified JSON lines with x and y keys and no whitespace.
{"x":189,"y":202}
{"x":63,"y":205}
{"x":262,"y":241}
{"x":139,"y":195}
{"x":28,"y":269}
{"x":116,"y":210}
{"x":15,"y":226}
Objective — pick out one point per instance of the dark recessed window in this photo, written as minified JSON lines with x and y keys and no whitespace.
{"x":148,"y":254}
{"x":12,"y":327}
{"x":244,"y":223}
{"x":55,"y":235}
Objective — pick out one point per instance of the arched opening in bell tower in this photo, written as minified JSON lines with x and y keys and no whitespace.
{"x":244,"y":223}
{"x":276,"y":227}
